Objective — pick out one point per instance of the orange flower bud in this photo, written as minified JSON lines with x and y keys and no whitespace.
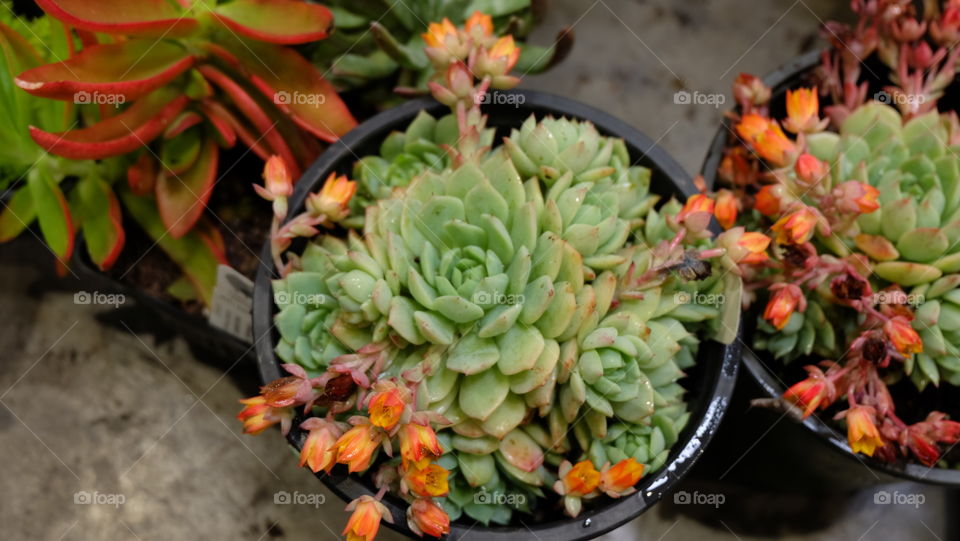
{"x":621,"y":478}
{"x":767,"y":200}
{"x":796,"y":227}
{"x":254,"y":415}
{"x":437,"y":33}
{"x":862,"y":433}
{"x":428,"y":482}
{"x":365,"y":520}
{"x":736,"y":167}
{"x":766,"y":138}
{"x":481,"y":23}
{"x":725,"y":209}
{"x":276,"y":177}
{"x":426,"y":517}
{"x":418,"y":444}
{"x":696,"y":203}
{"x":386,"y":408}
{"x":333,"y":199}
{"x":756,"y":245}
{"x":803,"y":111}
{"x":856,"y":196}
{"x":810,"y":170}
{"x":357,"y":445}
{"x":581,"y":479}
{"x":902,"y":335}
{"x":257,"y":415}
{"x":319,"y":451}
{"x":783,"y":303}
{"x":811,"y":393}
{"x":505,"y":53}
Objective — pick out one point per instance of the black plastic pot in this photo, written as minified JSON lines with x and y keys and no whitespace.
{"x":710,"y":383}
{"x":817,"y":455}
{"x":211,"y":344}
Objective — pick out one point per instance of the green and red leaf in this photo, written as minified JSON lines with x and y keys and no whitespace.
{"x":276,"y":21}
{"x":281,"y":72}
{"x":134,"y":127}
{"x":53,"y":214}
{"x":154,"y":18}
{"x":142,"y":174}
{"x":189,"y":252}
{"x":121,"y":71}
{"x":247,"y":105}
{"x":100,"y":220}
{"x":181,"y":199}
{"x":182,"y":123}
{"x":213,"y":239}
{"x":222,"y":123}
{"x":18,"y":213}
{"x":180,"y":153}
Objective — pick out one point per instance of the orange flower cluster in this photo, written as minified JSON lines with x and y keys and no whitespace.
{"x":475,"y":43}
{"x":583,"y":480}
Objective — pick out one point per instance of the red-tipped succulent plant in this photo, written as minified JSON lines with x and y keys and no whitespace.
{"x":170,"y":84}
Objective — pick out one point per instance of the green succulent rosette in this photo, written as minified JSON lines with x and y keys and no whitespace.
{"x":507,"y":288}
{"x":912,"y":240}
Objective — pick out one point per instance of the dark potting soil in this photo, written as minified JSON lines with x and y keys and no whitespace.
{"x":234,"y":208}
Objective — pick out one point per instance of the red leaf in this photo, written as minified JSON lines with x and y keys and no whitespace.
{"x":153,"y":18}
{"x":181,"y":199}
{"x":100,"y":220}
{"x":212,"y":237}
{"x":142,"y":174}
{"x":120,"y":72}
{"x":136,"y":126}
{"x":276,"y":21}
{"x":249,"y":107}
{"x":182,"y":123}
{"x":221,"y":123}
{"x":283,"y":75}
{"x":18,"y":213}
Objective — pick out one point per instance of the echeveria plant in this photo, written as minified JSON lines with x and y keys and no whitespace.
{"x":514,"y":319}
{"x":866,"y":222}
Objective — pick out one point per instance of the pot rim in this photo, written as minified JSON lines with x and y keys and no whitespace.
{"x":720,"y":362}
{"x":779,"y":81}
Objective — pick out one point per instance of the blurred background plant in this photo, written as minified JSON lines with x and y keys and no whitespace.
{"x":142,"y":106}
{"x":166,"y":87}
{"x":376,"y":55}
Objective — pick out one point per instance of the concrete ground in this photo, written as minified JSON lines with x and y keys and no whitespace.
{"x":109,"y":433}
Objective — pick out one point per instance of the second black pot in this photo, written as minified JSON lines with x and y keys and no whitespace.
{"x":710,"y":383}
{"x":811,"y":456}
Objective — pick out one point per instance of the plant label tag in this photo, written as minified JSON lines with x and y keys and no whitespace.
{"x":232,"y":303}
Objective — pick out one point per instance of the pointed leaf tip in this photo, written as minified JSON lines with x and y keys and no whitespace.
{"x":109,"y":74}
{"x":136,"y":126}
{"x":182,"y":199}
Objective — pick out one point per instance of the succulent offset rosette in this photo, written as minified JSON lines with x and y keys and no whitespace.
{"x":498,"y":313}
{"x":863,"y":269}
